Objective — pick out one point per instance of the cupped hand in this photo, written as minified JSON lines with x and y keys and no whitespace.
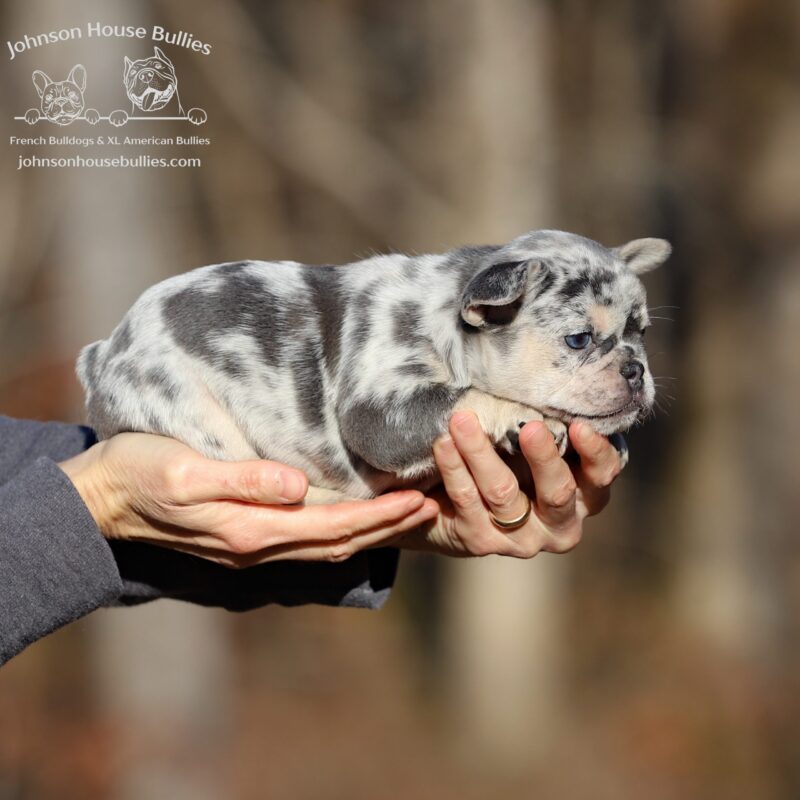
{"x":477,"y":482}
{"x":147,"y":488}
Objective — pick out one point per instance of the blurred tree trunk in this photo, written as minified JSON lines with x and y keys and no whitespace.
{"x":161,"y":672}
{"x":504,"y":618}
{"x":739,"y":459}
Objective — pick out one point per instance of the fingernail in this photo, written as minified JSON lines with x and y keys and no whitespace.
{"x":465,"y":422}
{"x":408,"y":500}
{"x":414,"y":500}
{"x":538,"y":432}
{"x":424,"y":513}
{"x":291,"y":486}
{"x":582,"y":432}
{"x":430,"y":507}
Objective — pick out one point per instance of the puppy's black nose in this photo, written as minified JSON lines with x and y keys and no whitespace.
{"x":632,"y":372}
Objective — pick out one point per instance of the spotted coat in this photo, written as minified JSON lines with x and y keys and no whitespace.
{"x":350,"y":372}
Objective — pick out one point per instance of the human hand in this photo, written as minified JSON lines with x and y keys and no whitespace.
{"x":476,"y":481}
{"x":147,"y":488}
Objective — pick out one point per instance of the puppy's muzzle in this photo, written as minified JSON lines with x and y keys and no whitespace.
{"x":633,"y":372}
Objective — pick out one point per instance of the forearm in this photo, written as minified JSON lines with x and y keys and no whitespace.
{"x":149,"y":572}
{"x":56,"y":565}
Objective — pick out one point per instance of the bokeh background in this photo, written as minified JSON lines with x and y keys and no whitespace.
{"x":659,"y":658}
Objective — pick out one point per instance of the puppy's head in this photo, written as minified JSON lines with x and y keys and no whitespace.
{"x":61,"y":101}
{"x":560,"y":323}
{"x":150,"y":82}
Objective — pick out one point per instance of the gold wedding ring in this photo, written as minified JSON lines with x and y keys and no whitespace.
{"x":513,"y":524}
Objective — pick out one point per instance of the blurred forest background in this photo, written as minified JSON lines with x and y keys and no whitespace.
{"x":661,"y":657}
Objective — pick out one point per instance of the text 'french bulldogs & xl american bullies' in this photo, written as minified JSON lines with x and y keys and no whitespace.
{"x":349,"y":373}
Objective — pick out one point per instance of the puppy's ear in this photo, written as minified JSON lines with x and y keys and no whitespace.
{"x":642,"y":255}
{"x":41,"y":81}
{"x":77,"y":75}
{"x":494,"y":295}
{"x":128,"y":65}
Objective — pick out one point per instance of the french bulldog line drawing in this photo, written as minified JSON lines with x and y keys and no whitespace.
{"x":61,"y":102}
{"x":152,"y":86}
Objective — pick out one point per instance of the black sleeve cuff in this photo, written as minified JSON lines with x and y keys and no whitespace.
{"x":363,"y":581}
{"x":23,"y":441}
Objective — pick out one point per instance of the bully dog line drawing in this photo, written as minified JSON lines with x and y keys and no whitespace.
{"x":61,"y":102}
{"x":150,"y":83}
{"x":152,"y":86}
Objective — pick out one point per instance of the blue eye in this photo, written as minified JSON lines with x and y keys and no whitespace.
{"x":578,"y":341}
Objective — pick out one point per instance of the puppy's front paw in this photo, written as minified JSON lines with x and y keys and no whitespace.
{"x":92,"y":116}
{"x":621,"y":446}
{"x":197,"y":116}
{"x":522,"y":415}
{"x":118,"y":118}
{"x":32,"y":116}
{"x":559,"y":431}
{"x":555,"y":426}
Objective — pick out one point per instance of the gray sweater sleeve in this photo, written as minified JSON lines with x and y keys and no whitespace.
{"x":55,"y":566}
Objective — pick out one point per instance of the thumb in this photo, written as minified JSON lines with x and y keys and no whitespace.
{"x":248,"y":481}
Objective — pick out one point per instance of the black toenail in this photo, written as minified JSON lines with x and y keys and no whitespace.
{"x":618,"y":442}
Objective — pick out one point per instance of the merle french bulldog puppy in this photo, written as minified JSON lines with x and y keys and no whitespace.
{"x":61,"y":102}
{"x":349,"y":373}
{"x":152,"y":85}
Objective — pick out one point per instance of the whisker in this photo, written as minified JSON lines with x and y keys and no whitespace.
{"x":662,"y":408}
{"x":667,"y":398}
{"x":662,"y":386}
